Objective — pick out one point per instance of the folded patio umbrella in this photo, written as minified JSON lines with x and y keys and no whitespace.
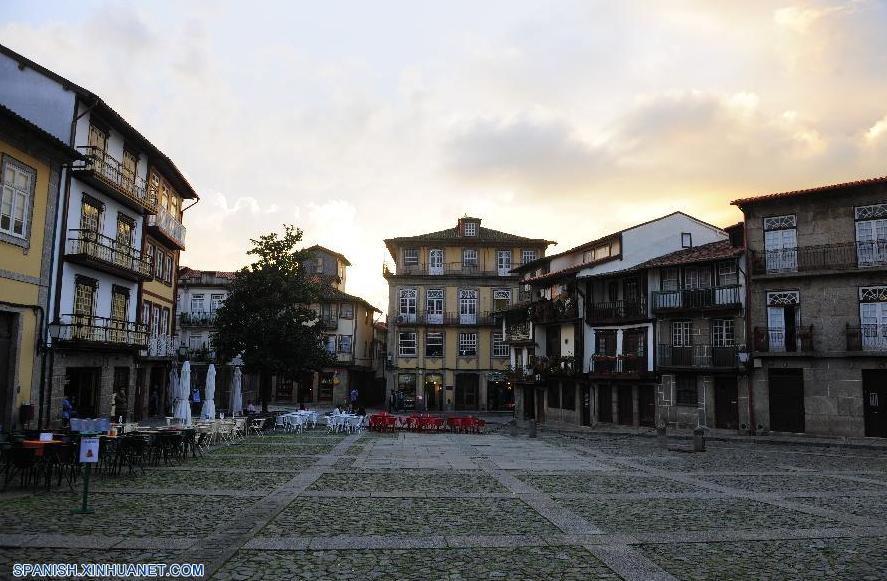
{"x":236,"y":395}
{"x":172,"y":390}
{"x":183,"y":406}
{"x":209,"y":394}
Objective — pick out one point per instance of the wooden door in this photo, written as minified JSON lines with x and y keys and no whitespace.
{"x":626,"y":405}
{"x":874,"y":388}
{"x":786,"y":400}
{"x":604,"y":403}
{"x":726,"y":403}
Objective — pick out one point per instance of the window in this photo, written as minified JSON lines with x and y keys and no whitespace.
{"x":197,"y":304}
{"x":146,"y":313}
{"x":680,"y":333}
{"x":602,"y":252}
{"x":164,"y":321}
{"x":406,"y":382}
{"x":469,"y":257}
{"x":727,"y":274}
{"x":500,"y":348}
{"x":16,"y":198}
{"x":90,"y":215}
{"x":155,"y":320}
{"x":871,"y":234}
{"x":435,"y":261}
{"x":330,"y":343}
{"x":470,"y":228}
{"x":568,"y":395}
{"x":686,"y":240}
{"x":528,"y":256}
{"x":783,"y":321}
{"x":167,"y":269}
{"x":195,"y":342}
{"x":318,"y":265}
{"x":670,"y":279}
{"x":130,"y":165}
{"x":407,"y":344}
{"x":215,"y":301}
{"x":411,"y":257}
{"x":434,"y":305}
{"x":873,"y":318}
{"x":408,"y":305}
{"x":467,"y":344}
{"x":346,"y":311}
{"x":501,"y":299}
{"x":344,"y":343}
{"x":685,"y":390}
{"x":98,"y":138}
{"x":781,"y":243}
{"x":150,"y":250}
{"x":434,"y":344}
{"x":468,"y":307}
{"x":119,"y":306}
{"x":695,"y":278}
{"x":503,"y":262}
{"x":84,"y":296}
{"x":722,"y":333}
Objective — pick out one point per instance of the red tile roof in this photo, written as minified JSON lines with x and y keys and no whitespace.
{"x":794,"y":193}
{"x":712,"y":251}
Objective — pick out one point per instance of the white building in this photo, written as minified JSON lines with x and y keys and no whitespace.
{"x":100,"y":231}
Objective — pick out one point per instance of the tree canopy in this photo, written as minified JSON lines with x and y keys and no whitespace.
{"x":267,"y":317}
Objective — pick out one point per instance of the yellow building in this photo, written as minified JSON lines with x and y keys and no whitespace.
{"x":30,"y":168}
{"x":164,"y":240}
{"x":444,"y":349}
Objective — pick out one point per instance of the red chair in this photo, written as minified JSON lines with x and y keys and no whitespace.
{"x":479,"y":425}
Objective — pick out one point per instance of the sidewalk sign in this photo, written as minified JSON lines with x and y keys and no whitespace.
{"x":89,"y":455}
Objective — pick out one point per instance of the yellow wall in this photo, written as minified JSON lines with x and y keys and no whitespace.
{"x":15,"y":259}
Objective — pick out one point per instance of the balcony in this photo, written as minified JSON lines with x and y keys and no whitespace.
{"x":780,"y":340}
{"x":102,"y":171}
{"x":867,"y":339}
{"x":99,"y":332}
{"x":556,"y":311}
{"x":617,"y":311}
{"x":697,"y":356}
{"x":699,"y":300}
{"x":826,"y":257}
{"x":628,"y":365}
{"x":162,"y":347}
{"x":107,"y":254}
{"x":563,"y":366}
{"x":198,"y":319}
{"x":447,"y":319}
{"x":446,"y":269}
{"x":164,"y":225}
{"x":518,"y":332}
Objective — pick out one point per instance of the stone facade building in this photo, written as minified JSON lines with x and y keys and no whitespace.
{"x":818,"y":309}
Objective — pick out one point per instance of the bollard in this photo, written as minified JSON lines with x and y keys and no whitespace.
{"x":661,"y":437}
{"x":532,"y":428}
{"x":699,"y":440}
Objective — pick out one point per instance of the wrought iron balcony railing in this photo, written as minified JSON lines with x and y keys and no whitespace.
{"x":628,"y":364}
{"x":446,"y":269}
{"x":839,"y":256}
{"x":89,"y":329}
{"x":449,"y":319}
{"x":871,"y":338}
{"x":102,"y":169}
{"x":782,"y":340}
{"x":614,"y":311}
{"x":554,"y":311}
{"x":198,"y":319}
{"x":108,"y":254}
{"x":162,"y":346}
{"x":700,"y":356}
{"x":698,"y":299}
{"x":165,"y":224}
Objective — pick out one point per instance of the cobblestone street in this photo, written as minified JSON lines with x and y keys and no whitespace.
{"x":493,"y":506}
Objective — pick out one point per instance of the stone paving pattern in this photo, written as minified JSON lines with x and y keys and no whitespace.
{"x":492,"y":506}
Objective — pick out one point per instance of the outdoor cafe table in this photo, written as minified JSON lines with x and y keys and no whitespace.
{"x":39,"y":445}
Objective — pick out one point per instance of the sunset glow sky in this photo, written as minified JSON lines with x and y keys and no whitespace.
{"x":359,"y":121}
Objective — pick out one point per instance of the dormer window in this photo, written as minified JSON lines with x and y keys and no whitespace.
{"x":686,"y":240}
{"x":470,"y":228}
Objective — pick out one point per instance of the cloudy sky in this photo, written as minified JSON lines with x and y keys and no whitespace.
{"x":565,"y":120}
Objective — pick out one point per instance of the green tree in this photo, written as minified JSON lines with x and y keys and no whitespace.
{"x":267,"y":318}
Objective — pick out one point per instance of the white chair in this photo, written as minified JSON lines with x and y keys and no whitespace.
{"x":256,"y":426}
{"x":239,"y":427}
{"x":280,"y":422}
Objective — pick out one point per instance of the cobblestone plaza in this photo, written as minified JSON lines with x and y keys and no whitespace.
{"x":491,"y":506}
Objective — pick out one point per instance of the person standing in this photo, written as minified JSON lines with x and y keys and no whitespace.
{"x":67,"y":411}
{"x":195,"y":401}
{"x":354,"y":397}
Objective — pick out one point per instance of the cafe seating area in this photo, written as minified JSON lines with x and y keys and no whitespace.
{"x":386,"y":422}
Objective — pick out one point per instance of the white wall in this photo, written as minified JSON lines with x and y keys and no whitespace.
{"x":37,"y":98}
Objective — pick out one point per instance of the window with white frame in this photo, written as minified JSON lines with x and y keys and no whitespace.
{"x":501,"y":299}
{"x":434,"y":305}
{"x":346,"y":311}
{"x":500,"y":348}
{"x":871,"y":234}
{"x":503,"y":262}
{"x":470,"y":228}
{"x":330,"y":343}
{"x":434,"y":344}
{"x":696,"y":277}
{"x":873,"y":318}
{"x":16,"y":197}
{"x":468,"y":306}
{"x":408,"y":297}
{"x":680,"y":333}
{"x":406,"y":342}
{"x":215,"y":301}
{"x":528,"y":256}
{"x":344,"y":343}
{"x":723,"y":333}
{"x":411,"y":257}
{"x":197,"y":304}
{"x":670,"y":279}
{"x":470,"y":257}
{"x":467,"y":344}
{"x":727,"y":273}
{"x":781,"y":243}
{"x":196,"y":341}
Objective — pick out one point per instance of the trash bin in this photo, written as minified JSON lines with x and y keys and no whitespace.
{"x":532,"y":428}
{"x":699,"y":440}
